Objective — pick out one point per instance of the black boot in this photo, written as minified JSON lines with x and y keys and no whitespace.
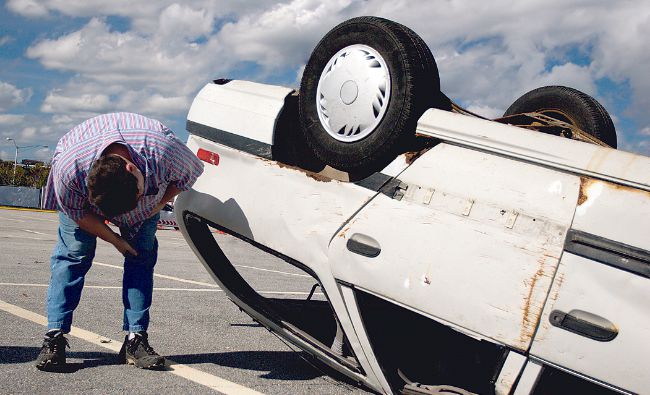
{"x":52,"y":355}
{"x":138,"y":352}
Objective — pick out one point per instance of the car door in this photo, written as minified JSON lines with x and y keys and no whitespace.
{"x":474,"y":242}
{"x":597,"y":318}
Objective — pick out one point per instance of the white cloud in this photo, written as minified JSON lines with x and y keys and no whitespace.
{"x":11,"y":96}
{"x":6,"y":155}
{"x":645,"y":131}
{"x":83,"y":103}
{"x":4,"y":40}
{"x":569,"y":74}
{"x":11,"y":119}
{"x":41,"y":8}
{"x":178,"y":22}
{"x":107,"y":58}
{"x":488,"y":53}
{"x":28,"y":8}
{"x":28,"y":130}
{"x":143,"y":14}
{"x":283,"y":35}
{"x":485,"y":111}
{"x":641,"y":147}
{"x":155,"y":104}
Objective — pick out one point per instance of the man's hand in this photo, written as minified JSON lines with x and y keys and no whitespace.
{"x":124,"y":247}
{"x":95,"y":225}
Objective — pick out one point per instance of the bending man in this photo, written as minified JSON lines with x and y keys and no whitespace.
{"x":123,"y":167}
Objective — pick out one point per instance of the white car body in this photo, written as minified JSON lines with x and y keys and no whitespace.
{"x":497,"y":232}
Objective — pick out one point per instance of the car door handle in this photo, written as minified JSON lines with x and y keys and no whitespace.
{"x":363,"y":245}
{"x":585,"y":324}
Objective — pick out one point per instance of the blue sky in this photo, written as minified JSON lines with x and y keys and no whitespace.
{"x":64,"y":61}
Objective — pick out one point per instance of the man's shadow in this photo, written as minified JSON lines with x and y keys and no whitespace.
{"x":280,"y":365}
{"x":91,"y":359}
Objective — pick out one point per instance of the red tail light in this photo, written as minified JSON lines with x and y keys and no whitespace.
{"x":208,"y":156}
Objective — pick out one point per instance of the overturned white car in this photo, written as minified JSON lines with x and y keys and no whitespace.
{"x":482,"y":257}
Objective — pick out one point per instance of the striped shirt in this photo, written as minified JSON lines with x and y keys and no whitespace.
{"x":154,"y":149}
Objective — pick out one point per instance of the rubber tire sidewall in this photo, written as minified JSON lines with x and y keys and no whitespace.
{"x":585,"y":111}
{"x":387,"y":138}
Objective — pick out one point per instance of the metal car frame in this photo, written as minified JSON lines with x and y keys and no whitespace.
{"x":540,"y":207}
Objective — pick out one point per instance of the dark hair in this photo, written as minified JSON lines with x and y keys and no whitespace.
{"x":112,"y":188}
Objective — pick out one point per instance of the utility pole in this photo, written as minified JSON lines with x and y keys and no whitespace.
{"x":13,"y":180}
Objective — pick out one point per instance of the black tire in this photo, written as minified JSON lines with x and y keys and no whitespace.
{"x":568,"y":105}
{"x":414,"y":87}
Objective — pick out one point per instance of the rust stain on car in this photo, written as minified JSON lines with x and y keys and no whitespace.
{"x":532,"y":312}
{"x":316,"y":176}
{"x":410,"y":157}
{"x":342,"y":234}
{"x":558,"y":285}
{"x":345,"y":230}
{"x":585,"y":183}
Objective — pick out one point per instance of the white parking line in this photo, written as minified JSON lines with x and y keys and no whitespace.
{"x":35,"y":219}
{"x":214,"y":382}
{"x":182,"y":280}
{"x":116,"y":287}
{"x":13,"y":219}
{"x":35,"y":232}
{"x":273,"y":271}
{"x":24,"y":238}
{"x":43,"y":219}
{"x":202,"y":283}
{"x":299,"y":293}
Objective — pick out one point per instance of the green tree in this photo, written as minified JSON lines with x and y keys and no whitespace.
{"x":33,"y":176}
{"x":6,"y":172}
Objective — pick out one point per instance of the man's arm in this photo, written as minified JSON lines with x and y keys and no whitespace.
{"x":74,"y":204}
{"x":170,"y":193}
{"x":94,"y":224}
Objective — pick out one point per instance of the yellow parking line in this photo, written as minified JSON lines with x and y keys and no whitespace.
{"x":214,"y":382}
{"x":26,"y":209}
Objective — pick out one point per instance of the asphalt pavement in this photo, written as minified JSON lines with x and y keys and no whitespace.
{"x":211,"y":345}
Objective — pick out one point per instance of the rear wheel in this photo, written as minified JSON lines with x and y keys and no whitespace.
{"x":363,"y":89}
{"x":571,"y":106}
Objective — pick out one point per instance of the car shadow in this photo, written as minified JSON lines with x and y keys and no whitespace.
{"x":91,"y":359}
{"x":228,"y":212}
{"x":278,"y":365}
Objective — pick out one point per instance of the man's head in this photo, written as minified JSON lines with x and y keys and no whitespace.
{"x":115,"y":184}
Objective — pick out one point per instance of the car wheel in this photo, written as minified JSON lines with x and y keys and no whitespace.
{"x":571,"y":106}
{"x":363,"y":89}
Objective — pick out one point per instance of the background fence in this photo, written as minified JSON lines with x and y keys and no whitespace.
{"x":20,"y":196}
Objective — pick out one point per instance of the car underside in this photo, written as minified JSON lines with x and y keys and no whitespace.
{"x":460,"y":255}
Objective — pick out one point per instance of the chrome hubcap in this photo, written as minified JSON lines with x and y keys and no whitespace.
{"x":353,"y":93}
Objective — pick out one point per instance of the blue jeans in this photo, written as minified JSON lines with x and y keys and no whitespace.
{"x":73,"y":256}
